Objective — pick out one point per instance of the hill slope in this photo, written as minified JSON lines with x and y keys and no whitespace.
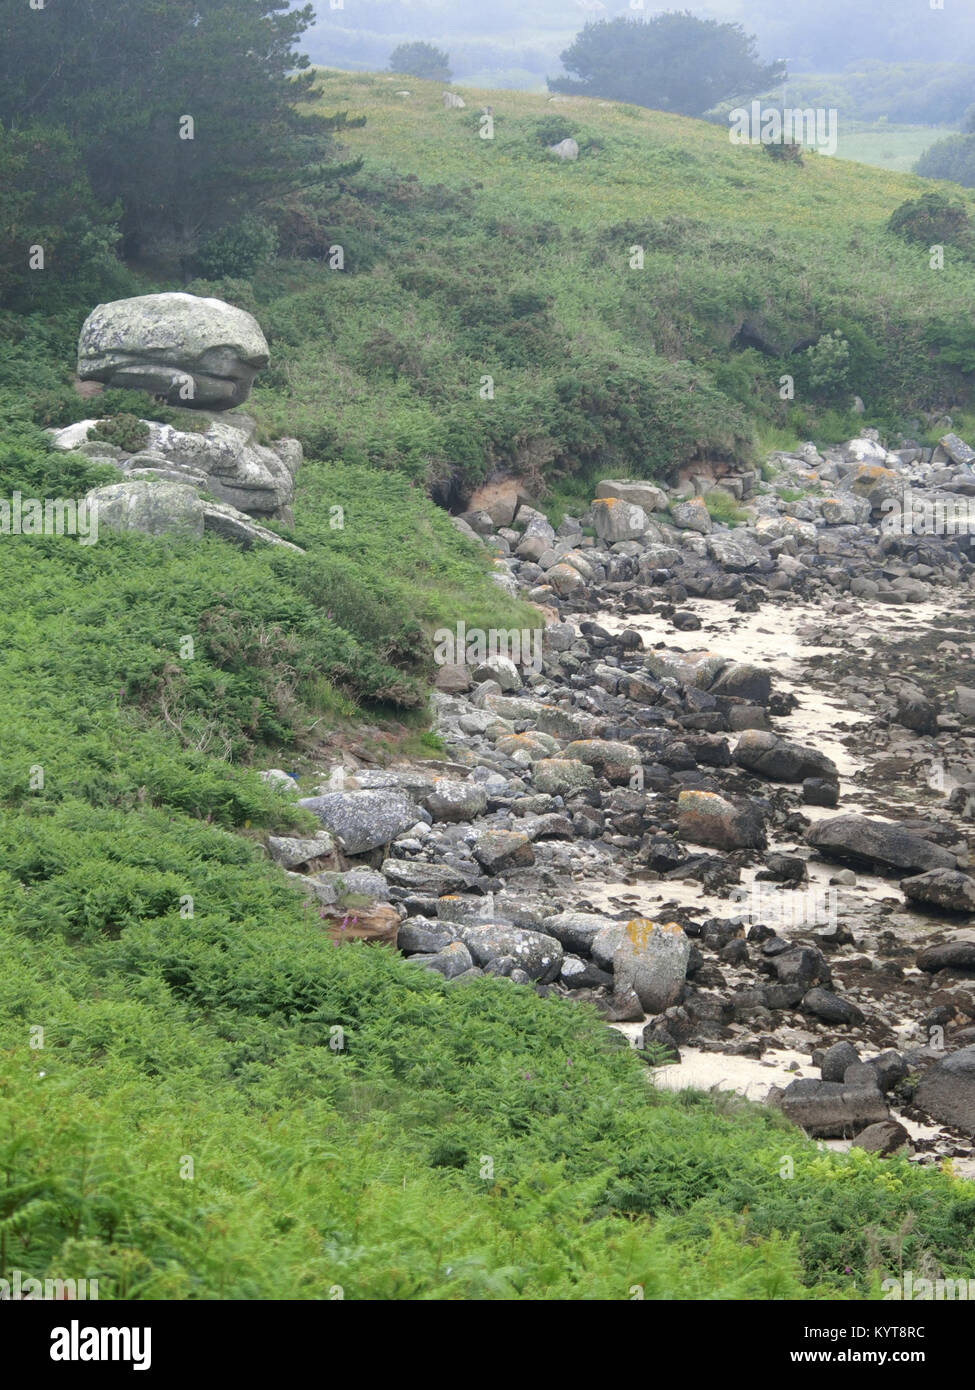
{"x":175,"y":1117}
{"x":468,"y":258}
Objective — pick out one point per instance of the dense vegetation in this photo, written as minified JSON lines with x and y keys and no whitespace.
{"x":906,"y":93}
{"x":220,"y":1103}
{"x":952,"y":158}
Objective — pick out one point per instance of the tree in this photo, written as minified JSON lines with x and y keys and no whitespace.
{"x":673,"y":62}
{"x":55,"y":239}
{"x":953,"y":158}
{"x":185,"y":110}
{"x":421,"y":60}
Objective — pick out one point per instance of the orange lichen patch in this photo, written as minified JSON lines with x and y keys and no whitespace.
{"x":874,"y":471}
{"x":639,"y":930}
{"x":605,"y":501}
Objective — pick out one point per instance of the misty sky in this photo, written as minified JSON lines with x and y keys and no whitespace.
{"x":522,"y":42}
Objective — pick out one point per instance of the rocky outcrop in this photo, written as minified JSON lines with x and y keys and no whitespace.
{"x":223,"y":459}
{"x":154,"y":509}
{"x":169,"y":508}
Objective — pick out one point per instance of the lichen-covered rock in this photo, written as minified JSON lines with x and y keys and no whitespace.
{"x":199,"y":353}
{"x":705,"y":818}
{"x":566,"y":579}
{"x":363,"y":820}
{"x":691,"y":515}
{"x":615,"y":761}
{"x":645,"y":495}
{"x":225,"y":459}
{"x":538,"y":955}
{"x":155,"y":509}
{"x":651,"y":959}
{"x":690,"y":668}
{"x":615,"y":520}
{"x":949,"y":889}
{"x":236,"y":526}
{"x":315,"y":852}
{"x":497,"y":851}
{"x":562,"y":776}
{"x":453,"y":800}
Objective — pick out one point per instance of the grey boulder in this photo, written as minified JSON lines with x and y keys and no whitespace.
{"x":651,"y":960}
{"x":831,"y":1110}
{"x":154,"y":509}
{"x":858,"y":840}
{"x":538,"y":955}
{"x":947,"y":1090}
{"x":363,"y":820}
{"x":948,"y":889}
{"x":781,"y":759}
{"x":201,"y":353}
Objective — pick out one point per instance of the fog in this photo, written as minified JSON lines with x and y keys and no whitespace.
{"x":509,"y":43}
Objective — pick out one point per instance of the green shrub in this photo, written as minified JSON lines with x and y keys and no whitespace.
{"x":126,"y":432}
{"x":237,"y":250}
{"x":932,"y":219}
{"x":723,"y":508}
{"x":829,"y":365}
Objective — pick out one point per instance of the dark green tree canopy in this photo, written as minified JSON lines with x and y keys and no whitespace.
{"x":184,"y":110}
{"x":953,"y":158}
{"x":421,"y":60}
{"x":673,"y":62}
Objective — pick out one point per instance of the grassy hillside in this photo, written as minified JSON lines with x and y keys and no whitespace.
{"x":888,"y":147}
{"x":176,"y":1118}
{"x":468,"y":257}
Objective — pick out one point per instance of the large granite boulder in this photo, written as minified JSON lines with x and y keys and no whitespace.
{"x":651,"y":959}
{"x":645,"y":495}
{"x":201,"y":353}
{"x":154,"y":509}
{"x":615,"y":520}
{"x":364,"y":820}
{"x":162,"y":507}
